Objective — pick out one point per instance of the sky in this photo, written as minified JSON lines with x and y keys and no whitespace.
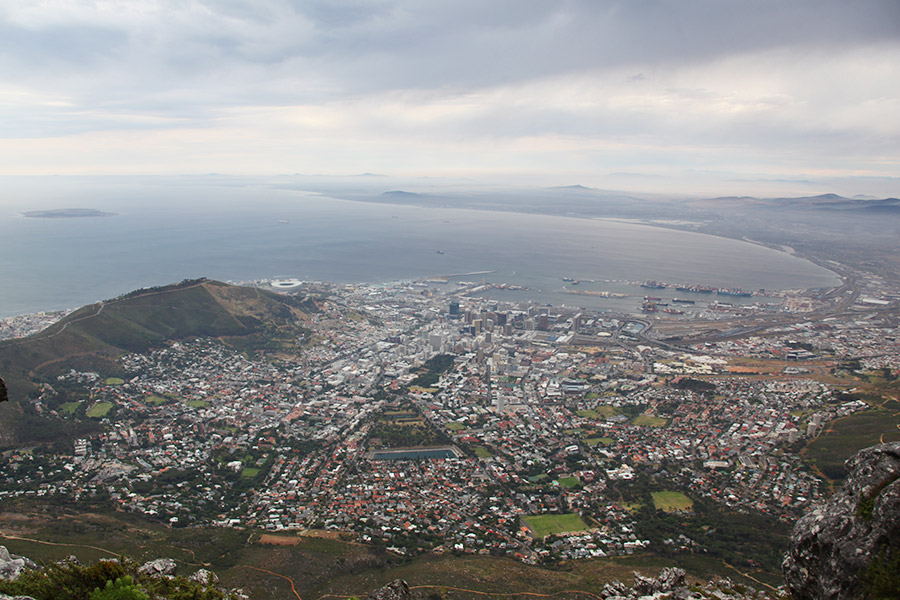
{"x":678,"y":95}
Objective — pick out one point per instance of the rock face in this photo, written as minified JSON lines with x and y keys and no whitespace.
{"x":670,"y":584}
{"x":11,"y":566}
{"x":395,"y":590}
{"x":832,"y":546}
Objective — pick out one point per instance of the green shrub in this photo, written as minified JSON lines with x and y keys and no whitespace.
{"x":882,"y":577}
{"x":123,"y":588}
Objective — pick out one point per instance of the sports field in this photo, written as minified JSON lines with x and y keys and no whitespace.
{"x":650,"y":421}
{"x":671,"y":501}
{"x":599,"y":440}
{"x":482,"y":452}
{"x":99,"y":410}
{"x":600,"y":412}
{"x":155,"y":400}
{"x":69,"y":408}
{"x":544,"y":525}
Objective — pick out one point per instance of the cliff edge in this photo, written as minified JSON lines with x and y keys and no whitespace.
{"x":848,"y":547}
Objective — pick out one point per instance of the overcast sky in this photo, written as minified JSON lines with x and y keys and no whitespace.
{"x":605,"y":93}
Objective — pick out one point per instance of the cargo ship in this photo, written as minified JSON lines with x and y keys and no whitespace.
{"x":683,"y":301}
{"x":734,"y":292}
{"x":699,"y":289}
{"x":654,"y":285}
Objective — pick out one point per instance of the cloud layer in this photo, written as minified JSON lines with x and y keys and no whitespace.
{"x":756,"y":88}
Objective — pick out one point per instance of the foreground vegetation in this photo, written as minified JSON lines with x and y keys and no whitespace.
{"x":318,"y":563}
{"x":117,"y":579}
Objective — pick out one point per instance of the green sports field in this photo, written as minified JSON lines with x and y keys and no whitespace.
{"x":649,"y":421}
{"x":671,"y":501}
{"x":99,"y":410}
{"x":544,"y":525}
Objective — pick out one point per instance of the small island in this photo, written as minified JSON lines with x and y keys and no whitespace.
{"x":67,"y":213}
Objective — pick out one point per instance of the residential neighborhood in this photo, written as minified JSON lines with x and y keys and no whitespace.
{"x":424,"y":419}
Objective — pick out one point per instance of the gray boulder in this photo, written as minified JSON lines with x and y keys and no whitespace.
{"x":161,"y":567}
{"x":668,"y":580}
{"x":12,"y":565}
{"x":204,"y":577}
{"x":615,"y":589}
{"x":832,"y":546}
{"x":395,"y":590}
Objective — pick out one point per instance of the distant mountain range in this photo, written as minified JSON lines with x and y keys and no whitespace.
{"x":578,"y":200}
{"x":824,"y":202}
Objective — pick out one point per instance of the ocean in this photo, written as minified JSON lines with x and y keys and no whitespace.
{"x":166,"y":233}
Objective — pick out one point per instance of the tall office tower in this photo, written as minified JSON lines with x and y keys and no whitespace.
{"x":436,"y":340}
{"x":576,"y":322}
{"x":487,"y":381}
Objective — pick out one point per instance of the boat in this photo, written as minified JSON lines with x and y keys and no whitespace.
{"x":649,"y":306}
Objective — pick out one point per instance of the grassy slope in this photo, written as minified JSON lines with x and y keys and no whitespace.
{"x":105,"y":330}
{"x":846,"y":436}
{"x":317,"y":566}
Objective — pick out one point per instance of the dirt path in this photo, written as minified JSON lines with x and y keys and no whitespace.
{"x":293,"y":588}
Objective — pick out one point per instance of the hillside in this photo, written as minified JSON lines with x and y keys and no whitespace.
{"x":100,"y":332}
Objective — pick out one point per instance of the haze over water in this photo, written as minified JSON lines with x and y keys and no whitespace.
{"x":163,"y":235}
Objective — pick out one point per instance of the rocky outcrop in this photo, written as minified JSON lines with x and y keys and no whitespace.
{"x":670,"y":584}
{"x":161,"y":567}
{"x":832,"y":546}
{"x":11,"y":565}
{"x":204,"y":577}
{"x":395,"y":590}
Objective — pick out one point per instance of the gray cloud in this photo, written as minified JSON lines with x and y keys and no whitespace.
{"x":316,"y":48}
{"x":807,"y":77}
